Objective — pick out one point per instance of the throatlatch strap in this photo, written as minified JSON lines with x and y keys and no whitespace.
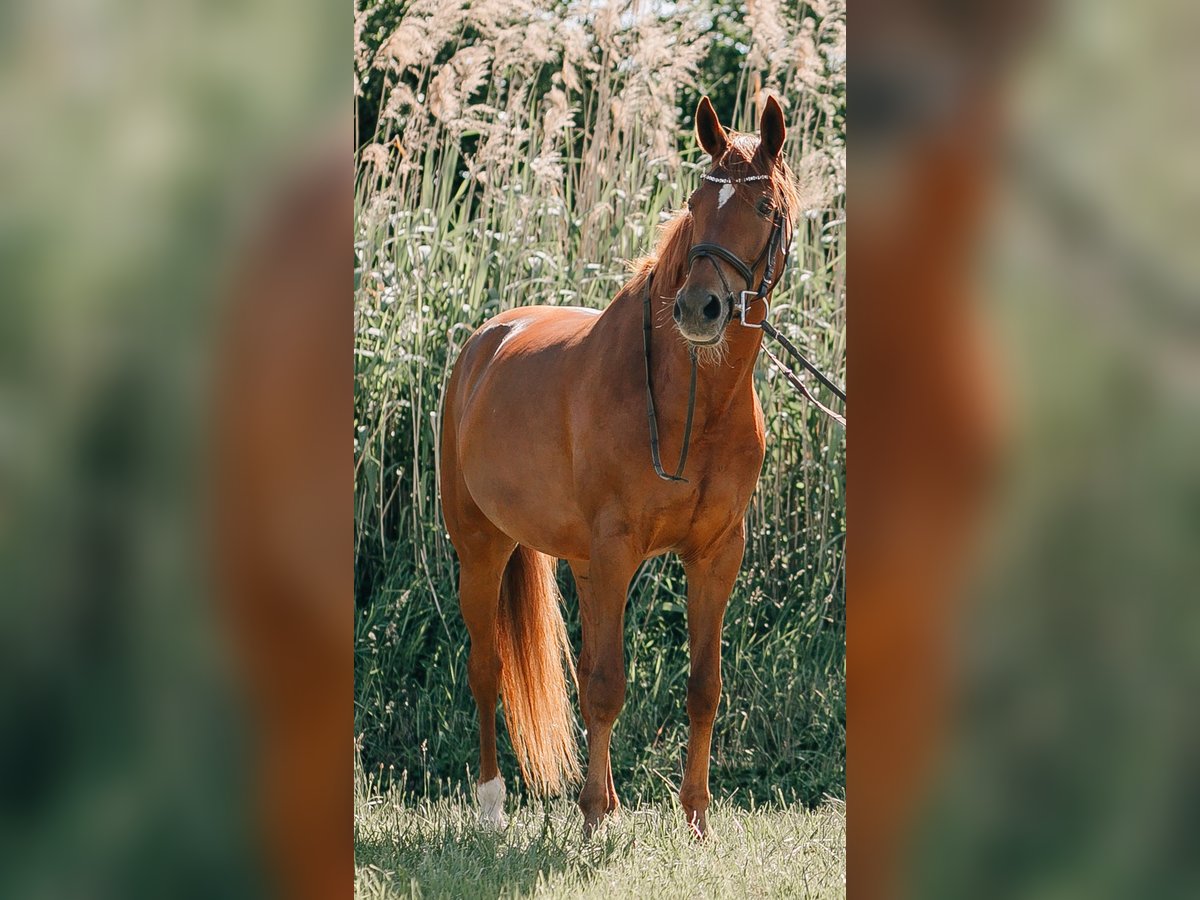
{"x":687,"y":428}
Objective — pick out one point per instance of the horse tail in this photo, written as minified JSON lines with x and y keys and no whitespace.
{"x":535,"y":660}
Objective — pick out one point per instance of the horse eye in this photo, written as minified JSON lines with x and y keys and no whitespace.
{"x":764,"y":207}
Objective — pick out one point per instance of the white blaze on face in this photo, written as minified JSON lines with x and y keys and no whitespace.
{"x":491,"y":803}
{"x":724,"y":195}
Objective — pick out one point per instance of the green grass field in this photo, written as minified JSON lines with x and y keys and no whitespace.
{"x":435,"y":848}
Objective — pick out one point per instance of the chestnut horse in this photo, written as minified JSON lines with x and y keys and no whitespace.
{"x":546,"y":454}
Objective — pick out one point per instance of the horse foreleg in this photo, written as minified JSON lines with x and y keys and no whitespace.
{"x":602,"y":611}
{"x":710,"y":580}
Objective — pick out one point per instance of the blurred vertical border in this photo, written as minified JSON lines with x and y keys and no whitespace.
{"x":175,"y":483}
{"x":1022,"y":566}
{"x":175,"y":513}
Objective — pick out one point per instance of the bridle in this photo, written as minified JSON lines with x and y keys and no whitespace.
{"x":737,"y":309}
{"x":713,"y":252}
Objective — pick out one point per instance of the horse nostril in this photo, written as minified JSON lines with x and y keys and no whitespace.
{"x":712,"y":309}
{"x":677,"y":312}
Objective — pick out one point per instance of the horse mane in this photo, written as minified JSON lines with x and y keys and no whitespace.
{"x":669,"y":258}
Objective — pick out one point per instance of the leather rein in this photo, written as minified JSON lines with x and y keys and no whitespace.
{"x":737,"y":309}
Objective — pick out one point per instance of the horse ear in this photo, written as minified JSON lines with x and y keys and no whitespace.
{"x":771,"y":130}
{"x":709,"y":131}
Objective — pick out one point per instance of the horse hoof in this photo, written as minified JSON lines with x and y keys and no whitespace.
{"x":596,"y":822}
{"x":591,"y":824}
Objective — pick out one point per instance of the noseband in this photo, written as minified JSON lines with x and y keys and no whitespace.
{"x":713,"y":252}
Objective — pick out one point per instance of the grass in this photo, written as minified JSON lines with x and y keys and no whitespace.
{"x":435,"y":848}
{"x":530,"y":189}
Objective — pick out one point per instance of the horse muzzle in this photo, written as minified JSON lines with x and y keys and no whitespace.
{"x":700,"y":315}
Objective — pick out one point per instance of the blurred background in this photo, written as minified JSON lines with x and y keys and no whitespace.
{"x":1051,"y":148}
{"x":1072,"y":770}
{"x":141,"y":150}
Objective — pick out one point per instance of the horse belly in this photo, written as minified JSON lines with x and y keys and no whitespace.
{"x":528,"y":502}
{"x":516,"y":464}
{"x":533,"y":526}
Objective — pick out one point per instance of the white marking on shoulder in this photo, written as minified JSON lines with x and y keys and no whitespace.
{"x":726,"y":193}
{"x":515,"y":327}
{"x":491,"y":803}
{"x":491,"y":326}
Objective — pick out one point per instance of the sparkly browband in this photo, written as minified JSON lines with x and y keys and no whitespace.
{"x":720,"y":180}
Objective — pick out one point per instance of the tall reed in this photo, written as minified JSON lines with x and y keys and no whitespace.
{"x":523,"y":152}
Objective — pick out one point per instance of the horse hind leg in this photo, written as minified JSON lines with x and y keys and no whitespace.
{"x":483,"y":552}
{"x":479,"y":581}
{"x":579,"y":569}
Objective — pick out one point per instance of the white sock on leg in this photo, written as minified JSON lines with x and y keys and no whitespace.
{"x":491,"y":802}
